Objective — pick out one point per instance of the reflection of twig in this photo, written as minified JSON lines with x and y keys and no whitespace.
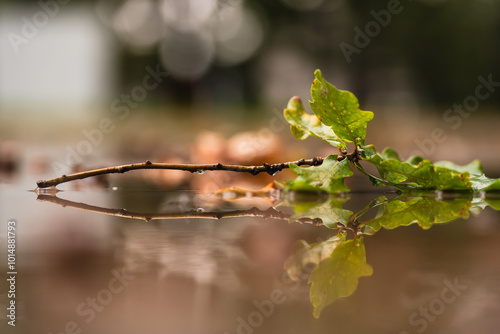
{"x":254,"y":170}
{"x":270,"y":213}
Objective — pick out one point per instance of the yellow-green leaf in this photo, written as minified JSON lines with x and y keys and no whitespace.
{"x":340,"y":110}
{"x":303,"y":125}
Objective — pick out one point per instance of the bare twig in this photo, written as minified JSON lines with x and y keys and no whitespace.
{"x":254,"y":170}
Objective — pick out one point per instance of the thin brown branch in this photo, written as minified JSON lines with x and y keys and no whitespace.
{"x":254,"y":170}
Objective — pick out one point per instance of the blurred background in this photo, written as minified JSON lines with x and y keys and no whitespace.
{"x":87,"y":84}
{"x":84,"y":82}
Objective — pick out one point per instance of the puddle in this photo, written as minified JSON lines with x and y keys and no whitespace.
{"x":131,"y":260}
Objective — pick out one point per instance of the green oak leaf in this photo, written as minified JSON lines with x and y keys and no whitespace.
{"x":368,"y":151}
{"x":415,"y":160}
{"x":474,"y":167}
{"x":479,"y":181}
{"x":390,"y":153}
{"x":337,"y":276}
{"x":303,"y":125}
{"x":417,"y":173}
{"x":340,"y":110}
{"x":407,"y":176}
{"x":338,"y":120}
{"x":327,"y":177}
{"x":330,"y":212}
{"x":425,"y":211}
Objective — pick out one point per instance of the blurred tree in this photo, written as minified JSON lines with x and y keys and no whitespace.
{"x":444,"y":45}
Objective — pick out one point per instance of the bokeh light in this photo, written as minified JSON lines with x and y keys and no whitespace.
{"x":138,"y":24}
{"x":189,"y":36}
{"x":187,"y":55}
{"x":187,"y":15}
{"x":239,"y":34}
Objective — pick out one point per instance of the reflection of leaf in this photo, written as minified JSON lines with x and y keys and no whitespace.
{"x":330,"y":212}
{"x":305,"y":254}
{"x":367,"y":230}
{"x":328,"y":177}
{"x":337,"y":276}
{"x":422,"y":210}
{"x":270,"y":193}
{"x":340,"y":110}
{"x":304,"y":125}
{"x":494,"y":203}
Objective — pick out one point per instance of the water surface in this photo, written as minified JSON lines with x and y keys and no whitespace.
{"x":81,"y":271}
